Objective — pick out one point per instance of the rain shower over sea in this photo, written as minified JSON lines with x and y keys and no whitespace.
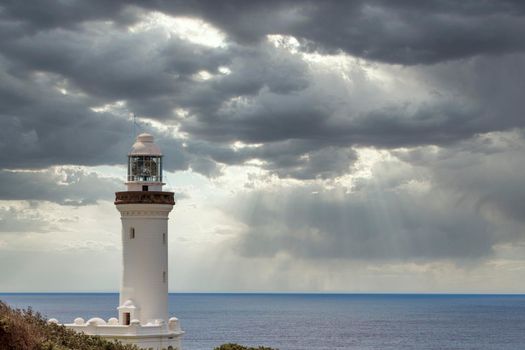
{"x":319,"y":321}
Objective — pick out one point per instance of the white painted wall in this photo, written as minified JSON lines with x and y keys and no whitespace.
{"x":145,"y":260}
{"x":156,"y":336}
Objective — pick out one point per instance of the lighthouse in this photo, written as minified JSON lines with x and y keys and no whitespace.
{"x":144,"y":210}
{"x":143,"y":302}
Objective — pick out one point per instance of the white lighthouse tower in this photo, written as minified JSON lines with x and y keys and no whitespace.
{"x":143,"y":305}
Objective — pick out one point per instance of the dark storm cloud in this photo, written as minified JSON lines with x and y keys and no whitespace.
{"x":45,"y":127}
{"x":321,"y":116}
{"x":273,"y":118}
{"x":436,"y":204}
{"x":287,"y":159}
{"x":437,"y":84}
{"x":303,"y":124}
{"x":109,"y":64}
{"x":48,"y":14}
{"x":372,"y":224}
{"x":486,"y":170}
{"x":406,"y":32}
{"x":62,"y":186}
{"x":305,"y":161}
{"x":41,"y":127}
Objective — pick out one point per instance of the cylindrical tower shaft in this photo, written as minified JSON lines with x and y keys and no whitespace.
{"x":144,"y":287}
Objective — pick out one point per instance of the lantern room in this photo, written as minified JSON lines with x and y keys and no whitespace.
{"x":144,"y":165}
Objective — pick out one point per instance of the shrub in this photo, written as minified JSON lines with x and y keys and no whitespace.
{"x":27,"y":330}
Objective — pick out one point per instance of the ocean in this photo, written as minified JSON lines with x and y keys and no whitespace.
{"x":319,"y":321}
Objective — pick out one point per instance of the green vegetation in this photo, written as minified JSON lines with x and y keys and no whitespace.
{"x":28,"y":330}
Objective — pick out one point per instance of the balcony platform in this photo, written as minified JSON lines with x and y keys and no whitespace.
{"x":144,"y":197}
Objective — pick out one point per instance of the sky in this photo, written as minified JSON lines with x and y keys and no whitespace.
{"x":313,"y":146}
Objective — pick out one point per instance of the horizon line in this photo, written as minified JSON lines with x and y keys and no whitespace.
{"x":278,"y":293}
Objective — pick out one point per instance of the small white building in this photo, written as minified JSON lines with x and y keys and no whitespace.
{"x":143,"y":306}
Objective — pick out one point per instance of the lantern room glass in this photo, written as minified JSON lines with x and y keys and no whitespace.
{"x":145,"y":168}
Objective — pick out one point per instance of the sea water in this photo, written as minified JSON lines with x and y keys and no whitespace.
{"x":320,"y":321}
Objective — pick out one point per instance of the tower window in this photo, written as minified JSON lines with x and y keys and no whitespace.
{"x":163,"y":238}
{"x":164,"y":276}
{"x":131,"y":233}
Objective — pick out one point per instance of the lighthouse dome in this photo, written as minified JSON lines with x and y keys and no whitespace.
{"x":145,"y":146}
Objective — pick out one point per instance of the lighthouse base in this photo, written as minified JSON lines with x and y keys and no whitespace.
{"x":157,"y":336}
